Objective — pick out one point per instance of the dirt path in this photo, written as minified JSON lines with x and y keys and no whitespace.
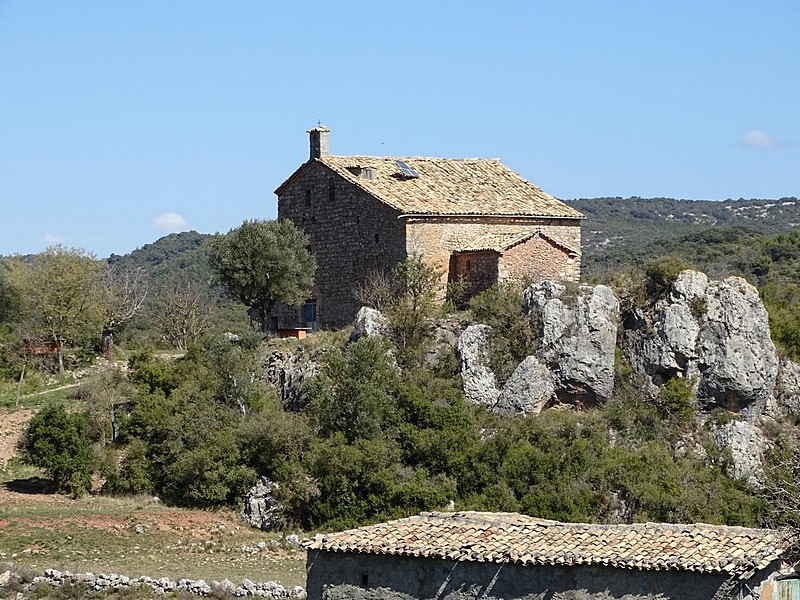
{"x":12,"y":424}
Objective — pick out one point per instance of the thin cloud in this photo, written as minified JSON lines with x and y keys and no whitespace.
{"x":53,"y":238}
{"x":756,"y":138}
{"x":170,"y":222}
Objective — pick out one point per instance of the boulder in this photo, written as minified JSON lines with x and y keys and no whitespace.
{"x":746,"y":445}
{"x":480,"y":385}
{"x":262,"y":509}
{"x":369,"y":323}
{"x":529,"y":389}
{"x":579,"y":333}
{"x":715,"y":333}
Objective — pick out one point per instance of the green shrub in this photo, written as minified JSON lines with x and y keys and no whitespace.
{"x":515,"y":334}
{"x":58,"y":443}
{"x":661,"y":273}
{"x":676,"y":399}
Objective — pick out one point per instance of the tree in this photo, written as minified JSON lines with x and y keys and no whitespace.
{"x":410,"y":314}
{"x":61,"y":289}
{"x":58,"y":443}
{"x":123,"y":292}
{"x":263,"y":262}
{"x":183,"y":311}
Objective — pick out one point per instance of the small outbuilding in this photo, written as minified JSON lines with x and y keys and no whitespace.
{"x":472,"y":555}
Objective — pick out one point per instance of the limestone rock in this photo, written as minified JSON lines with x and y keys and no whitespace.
{"x":369,"y":323}
{"x":579,"y":333}
{"x":787,"y":389}
{"x":444,"y":337}
{"x":713,"y":332}
{"x":529,"y":389}
{"x":746,"y":444}
{"x":262,"y":509}
{"x":480,"y":385}
{"x":290,"y":371}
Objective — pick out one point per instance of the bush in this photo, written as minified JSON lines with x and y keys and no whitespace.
{"x":661,"y":273}
{"x":58,"y":443}
{"x":676,"y":399}
{"x":515,"y":334}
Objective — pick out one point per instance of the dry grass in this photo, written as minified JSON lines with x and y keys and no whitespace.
{"x":134,"y":537}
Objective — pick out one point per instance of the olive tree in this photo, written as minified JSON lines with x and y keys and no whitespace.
{"x":263,"y":262}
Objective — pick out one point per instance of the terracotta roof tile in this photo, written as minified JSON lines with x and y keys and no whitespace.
{"x":510,"y":537}
{"x":472,"y":186}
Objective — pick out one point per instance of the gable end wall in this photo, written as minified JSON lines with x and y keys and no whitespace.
{"x":436,"y":238}
{"x":343,"y":237}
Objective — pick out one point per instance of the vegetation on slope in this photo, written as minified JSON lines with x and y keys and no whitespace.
{"x":384,"y":433}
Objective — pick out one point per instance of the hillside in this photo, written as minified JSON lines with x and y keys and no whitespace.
{"x":618,"y":224}
{"x":176,"y":270}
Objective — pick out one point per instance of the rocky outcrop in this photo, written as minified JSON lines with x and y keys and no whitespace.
{"x":529,"y":389}
{"x":575,"y":360}
{"x":579,"y":334}
{"x":480,"y":385}
{"x":444,"y":338}
{"x":369,"y":323}
{"x":262,"y":509}
{"x":746,"y":446}
{"x":290,"y":371}
{"x":715,"y":333}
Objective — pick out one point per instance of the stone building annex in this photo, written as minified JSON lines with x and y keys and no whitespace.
{"x":472,"y":219}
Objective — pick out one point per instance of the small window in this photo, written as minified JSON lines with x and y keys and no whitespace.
{"x":358,"y":219}
{"x":364,"y":580}
{"x":377,"y":238}
{"x":308,"y":197}
{"x":332,"y":193}
{"x":469,"y":265}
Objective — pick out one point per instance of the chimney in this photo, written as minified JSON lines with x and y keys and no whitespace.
{"x":318,"y":138}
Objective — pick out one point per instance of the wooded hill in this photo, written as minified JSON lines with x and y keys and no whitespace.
{"x":614,"y":225}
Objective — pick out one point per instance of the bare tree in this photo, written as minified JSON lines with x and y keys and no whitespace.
{"x":379,"y":290}
{"x":124,"y":291}
{"x":183,"y":312}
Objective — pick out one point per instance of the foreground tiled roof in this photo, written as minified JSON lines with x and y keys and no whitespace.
{"x":473,"y":186}
{"x":513,"y":538}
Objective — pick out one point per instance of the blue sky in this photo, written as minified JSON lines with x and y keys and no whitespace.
{"x":122,"y":121}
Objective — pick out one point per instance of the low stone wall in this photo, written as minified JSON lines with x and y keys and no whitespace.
{"x":200,"y":587}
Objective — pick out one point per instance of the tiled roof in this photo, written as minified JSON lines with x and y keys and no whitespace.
{"x":495,"y":241}
{"x":501,"y":242}
{"x":473,"y":186}
{"x":513,"y":538}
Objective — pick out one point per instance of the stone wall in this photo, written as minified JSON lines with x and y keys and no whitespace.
{"x":538,"y":259}
{"x":478,"y":270}
{"x":436,"y":238}
{"x":345,"y":576}
{"x":352,"y":235}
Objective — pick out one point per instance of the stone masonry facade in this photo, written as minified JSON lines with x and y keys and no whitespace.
{"x":471,"y":219}
{"x":352,"y":236}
